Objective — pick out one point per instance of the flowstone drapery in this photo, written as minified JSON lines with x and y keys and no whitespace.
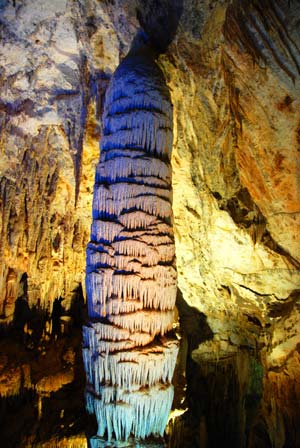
{"x":128,"y":353}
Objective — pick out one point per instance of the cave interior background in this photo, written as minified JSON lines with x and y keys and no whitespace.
{"x":233,"y":72}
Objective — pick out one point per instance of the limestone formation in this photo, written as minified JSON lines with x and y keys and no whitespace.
{"x":131,"y":279}
{"x":232,"y":69}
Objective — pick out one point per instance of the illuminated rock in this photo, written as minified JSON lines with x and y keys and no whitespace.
{"x":233,"y":77}
{"x":131,"y":279}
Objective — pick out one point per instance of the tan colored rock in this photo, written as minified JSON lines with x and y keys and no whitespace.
{"x":10,"y":382}
{"x":233,"y":72}
{"x":78,"y":441}
{"x":52,"y":383}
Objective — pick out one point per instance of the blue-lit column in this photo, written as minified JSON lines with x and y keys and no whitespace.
{"x":129,"y":351}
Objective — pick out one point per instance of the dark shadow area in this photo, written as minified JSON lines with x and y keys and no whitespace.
{"x":188,"y":384}
{"x":217,"y":394}
{"x":22,"y":316}
{"x":17,"y":415}
{"x":159,"y":19}
{"x":38,"y":326}
{"x":41,"y":372}
{"x":49,"y":402}
{"x":222,"y":394}
{"x":193,"y":323}
{"x":78,"y":310}
{"x":57,"y":312}
{"x":63,"y":412}
{"x":29,"y":325}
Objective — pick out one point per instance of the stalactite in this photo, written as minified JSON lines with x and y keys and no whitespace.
{"x":126,"y":168}
{"x":129,"y":354}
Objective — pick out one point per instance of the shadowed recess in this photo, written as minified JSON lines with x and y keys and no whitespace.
{"x":159,"y":18}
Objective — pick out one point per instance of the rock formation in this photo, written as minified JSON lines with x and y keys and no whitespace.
{"x":131,"y":278}
{"x":232,"y":69}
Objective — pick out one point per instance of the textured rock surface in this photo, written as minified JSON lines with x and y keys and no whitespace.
{"x":129,"y":351}
{"x":233,"y":71}
{"x":41,"y":393}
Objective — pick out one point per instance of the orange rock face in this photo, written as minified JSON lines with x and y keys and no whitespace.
{"x":233,"y":72}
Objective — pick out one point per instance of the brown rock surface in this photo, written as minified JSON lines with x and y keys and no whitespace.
{"x":233,"y":69}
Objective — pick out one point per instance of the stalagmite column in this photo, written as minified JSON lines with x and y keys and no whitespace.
{"x":131,"y":277}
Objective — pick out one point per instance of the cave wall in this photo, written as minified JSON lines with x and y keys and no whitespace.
{"x":233,"y":72}
{"x":237,"y":209}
